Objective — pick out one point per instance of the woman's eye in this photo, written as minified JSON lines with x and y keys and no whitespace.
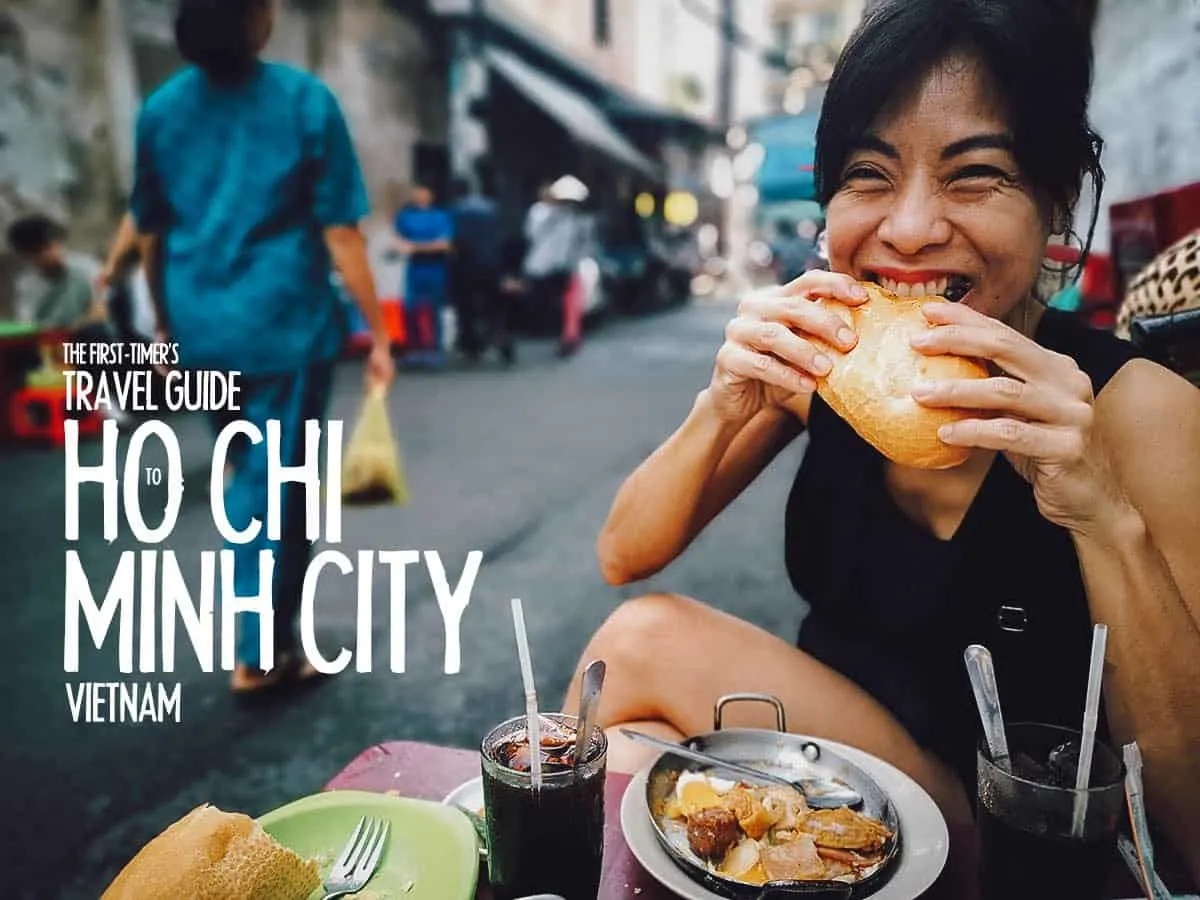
{"x":862,"y":173}
{"x":978,"y":173}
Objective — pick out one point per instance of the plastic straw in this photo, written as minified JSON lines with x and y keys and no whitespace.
{"x":1091,"y":715}
{"x":533,"y":726}
{"x":1143,"y":848}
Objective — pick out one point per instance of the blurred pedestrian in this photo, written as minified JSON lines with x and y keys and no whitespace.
{"x":55,"y":293}
{"x":791,"y":251}
{"x":484,"y":315}
{"x":425,"y":235}
{"x":558,"y":236}
{"x":246,"y":180}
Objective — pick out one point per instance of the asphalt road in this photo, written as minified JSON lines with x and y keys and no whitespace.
{"x":521,"y":464}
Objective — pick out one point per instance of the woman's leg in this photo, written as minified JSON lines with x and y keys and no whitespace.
{"x":292,"y":399}
{"x":669,"y":658}
{"x":307,"y":400}
{"x":572,"y":303}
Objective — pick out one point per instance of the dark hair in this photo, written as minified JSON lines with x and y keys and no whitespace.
{"x":1037,"y":54}
{"x":215,"y":36}
{"x":34,"y":233}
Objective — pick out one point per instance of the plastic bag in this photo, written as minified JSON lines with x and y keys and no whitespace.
{"x":373,"y":471}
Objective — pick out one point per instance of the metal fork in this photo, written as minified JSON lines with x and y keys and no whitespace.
{"x":359,"y":859}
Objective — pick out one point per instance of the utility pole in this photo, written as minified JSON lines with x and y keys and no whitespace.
{"x":469,"y":93}
{"x":725,"y":72}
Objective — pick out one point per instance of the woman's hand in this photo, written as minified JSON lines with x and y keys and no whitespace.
{"x":1038,"y":412}
{"x":766,"y":358}
{"x":381,"y":368}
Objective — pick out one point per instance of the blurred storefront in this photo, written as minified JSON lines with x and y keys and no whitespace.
{"x":533,"y":100}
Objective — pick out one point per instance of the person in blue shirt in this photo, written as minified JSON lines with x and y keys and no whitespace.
{"x":247,"y":193}
{"x":425,"y":235}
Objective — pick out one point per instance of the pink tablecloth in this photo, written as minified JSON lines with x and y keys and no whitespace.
{"x":429,"y":772}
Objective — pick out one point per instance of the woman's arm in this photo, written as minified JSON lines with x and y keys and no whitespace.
{"x":759,"y":396}
{"x":684,"y":484}
{"x":348,"y":250}
{"x":1141,"y":567}
{"x":149,"y":248}
{"x":123,"y":246}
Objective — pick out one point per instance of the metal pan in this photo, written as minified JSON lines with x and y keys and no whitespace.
{"x":779,"y":753}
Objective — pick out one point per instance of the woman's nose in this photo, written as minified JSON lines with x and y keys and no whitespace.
{"x":915,"y":222}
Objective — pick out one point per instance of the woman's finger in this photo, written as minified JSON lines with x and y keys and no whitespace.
{"x":962,"y":331}
{"x":742,"y":363}
{"x":828,"y":285}
{"x":827,"y":321}
{"x":767,"y":336}
{"x":1024,"y":400}
{"x":1046,"y":443}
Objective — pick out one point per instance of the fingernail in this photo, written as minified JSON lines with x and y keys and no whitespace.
{"x":922,"y":389}
{"x":920,"y":339}
{"x":945,"y":432}
{"x":858,"y":291}
{"x":846,"y":336}
{"x":823,"y":365}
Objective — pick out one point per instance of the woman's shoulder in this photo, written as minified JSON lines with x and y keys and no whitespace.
{"x":1099,"y":353}
{"x":178,"y":87}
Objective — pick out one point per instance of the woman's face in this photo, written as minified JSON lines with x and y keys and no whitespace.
{"x":932,"y":200}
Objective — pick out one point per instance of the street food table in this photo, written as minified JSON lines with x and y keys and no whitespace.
{"x":429,"y":772}
{"x":19,"y":345}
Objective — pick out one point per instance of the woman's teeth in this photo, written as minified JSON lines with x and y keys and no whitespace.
{"x":952,"y":287}
{"x":935,"y":288}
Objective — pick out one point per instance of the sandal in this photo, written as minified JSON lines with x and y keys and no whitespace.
{"x":251,"y":681}
{"x":299,"y":669}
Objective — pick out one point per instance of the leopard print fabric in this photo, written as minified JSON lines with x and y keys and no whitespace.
{"x":1170,"y":284}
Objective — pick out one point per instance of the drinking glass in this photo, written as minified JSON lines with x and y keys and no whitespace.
{"x":548,"y":841}
{"x":1028,"y":848}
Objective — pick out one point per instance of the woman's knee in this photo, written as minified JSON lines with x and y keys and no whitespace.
{"x":641,"y":629}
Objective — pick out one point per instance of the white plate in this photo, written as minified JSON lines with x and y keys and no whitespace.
{"x":924,"y":847}
{"x":469,"y":794}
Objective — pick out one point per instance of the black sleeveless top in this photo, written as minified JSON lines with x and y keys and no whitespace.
{"x":893,"y":607}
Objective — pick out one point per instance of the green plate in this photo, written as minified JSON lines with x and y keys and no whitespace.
{"x":432,"y":852}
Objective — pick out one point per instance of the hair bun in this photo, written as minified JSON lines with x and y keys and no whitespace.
{"x":870,"y":387}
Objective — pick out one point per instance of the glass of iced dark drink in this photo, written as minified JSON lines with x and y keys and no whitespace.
{"x":1029,"y":849}
{"x":548,"y":841}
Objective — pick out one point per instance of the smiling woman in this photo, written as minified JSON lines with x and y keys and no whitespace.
{"x":953,"y":144}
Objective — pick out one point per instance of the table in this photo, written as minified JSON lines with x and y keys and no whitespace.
{"x":429,"y":772}
{"x":21,"y":349}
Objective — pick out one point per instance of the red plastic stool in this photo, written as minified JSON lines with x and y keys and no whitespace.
{"x":40,"y":413}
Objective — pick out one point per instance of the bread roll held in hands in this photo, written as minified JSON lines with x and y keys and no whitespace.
{"x":215,"y":855}
{"x":871,"y":386}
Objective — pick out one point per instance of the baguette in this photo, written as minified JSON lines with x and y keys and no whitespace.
{"x":870,"y":387}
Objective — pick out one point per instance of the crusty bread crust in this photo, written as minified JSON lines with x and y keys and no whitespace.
{"x":871,"y":386}
{"x":215,"y":855}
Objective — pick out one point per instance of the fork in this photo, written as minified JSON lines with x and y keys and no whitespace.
{"x":359,"y":859}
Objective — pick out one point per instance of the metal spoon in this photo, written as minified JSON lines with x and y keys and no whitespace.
{"x":987,"y":697}
{"x":820,"y":793}
{"x":589,"y":699}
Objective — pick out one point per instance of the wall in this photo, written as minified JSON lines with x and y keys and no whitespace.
{"x":1146,"y":98}
{"x":55,"y":148}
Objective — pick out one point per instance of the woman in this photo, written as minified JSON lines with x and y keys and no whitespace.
{"x":953,"y":142}
{"x":247,"y":182}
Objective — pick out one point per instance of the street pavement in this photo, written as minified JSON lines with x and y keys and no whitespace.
{"x":521,"y":464}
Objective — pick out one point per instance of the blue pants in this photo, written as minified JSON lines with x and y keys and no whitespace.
{"x":293,"y":399}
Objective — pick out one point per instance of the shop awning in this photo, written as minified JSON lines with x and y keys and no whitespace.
{"x":789,"y":143}
{"x":579,"y":116}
